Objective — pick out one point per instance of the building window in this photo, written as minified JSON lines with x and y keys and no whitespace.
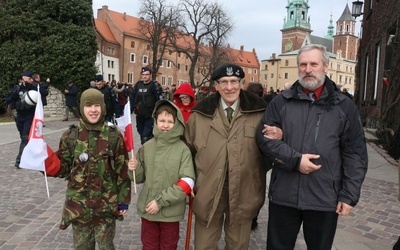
{"x":179,"y":66}
{"x":266,"y":77}
{"x":249,"y":71}
{"x":170,"y":52}
{"x":286,"y":63}
{"x":347,"y":28}
{"x":132,"y":44}
{"x":338,"y":67}
{"x":286,"y":75}
{"x":376,"y":81}
{"x":266,"y":67}
{"x":169,"y":63}
{"x":162,"y":63}
{"x":252,"y":79}
{"x":163,"y":80}
{"x":255,"y":72}
{"x":130,"y":77}
{"x":179,"y":54}
{"x":186,"y":67}
{"x":273,"y":63}
{"x":145,"y":60}
{"x":170,"y":80}
{"x":110,"y":64}
{"x":272,"y":75}
{"x":366,"y":78}
{"x":133,"y":57}
{"x":111,"y":51}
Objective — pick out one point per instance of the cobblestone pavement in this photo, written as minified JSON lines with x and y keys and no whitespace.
{"x":29,"y":220}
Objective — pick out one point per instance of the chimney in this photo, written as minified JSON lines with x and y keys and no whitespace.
{"x":124,"y":16}
{"x":104,"y":7}
{"x":273,"y":55}
{"x":241,"y":47}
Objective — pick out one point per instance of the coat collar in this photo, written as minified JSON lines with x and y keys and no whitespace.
{"x":248,"y":103}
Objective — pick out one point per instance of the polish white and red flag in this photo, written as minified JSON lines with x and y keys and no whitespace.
{"x":125,"y":125}
{"x":37,"y":155}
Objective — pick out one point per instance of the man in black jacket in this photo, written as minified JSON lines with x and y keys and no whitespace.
{"x":320,"y":164}
{"x":25,"y":111}
{"x":144,"y":96}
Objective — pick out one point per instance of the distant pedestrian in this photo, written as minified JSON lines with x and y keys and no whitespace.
{"x":184,"y":99}
{"x":71,"y":95}
{"x":17,"y":98}
{"x":144,"y":96}
{"x":44,"y":85}
{"x":109,"y":97}
{"x":95,"y":166}
{"x":164,"y":165}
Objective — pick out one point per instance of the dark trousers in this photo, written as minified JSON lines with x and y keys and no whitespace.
{"x":159,"y":235}
{"x":23,"y":123}
{"x":145,"y":128}
{"x":397,"y":245}
{"x":284,"y":223}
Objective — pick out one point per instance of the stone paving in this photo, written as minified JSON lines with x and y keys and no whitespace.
{"x":29,"y":220}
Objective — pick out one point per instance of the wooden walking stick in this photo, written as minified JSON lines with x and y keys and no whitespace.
{"x":189,"y":223}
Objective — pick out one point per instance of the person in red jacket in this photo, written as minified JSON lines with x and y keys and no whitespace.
{"x":184,"y":99}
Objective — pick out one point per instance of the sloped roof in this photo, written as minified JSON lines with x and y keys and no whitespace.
{"x":244,"y":58}
{"x":328,"y":43}
{"x":129,"y":26}
{"x":296,"y":52}
{"x":104,"y":30}
{"x":346,"y":15}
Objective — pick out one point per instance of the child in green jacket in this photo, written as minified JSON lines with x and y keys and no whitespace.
{"x":164,"y":165}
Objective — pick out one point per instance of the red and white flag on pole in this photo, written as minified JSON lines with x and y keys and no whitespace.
{"x":125,"y":125}
{"x":37,"y":152}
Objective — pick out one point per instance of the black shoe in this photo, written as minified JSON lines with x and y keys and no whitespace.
{"x":17,"y":165}
{"x":254,"y":224}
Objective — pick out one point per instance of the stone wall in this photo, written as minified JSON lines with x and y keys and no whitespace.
{"x":55,"y":108}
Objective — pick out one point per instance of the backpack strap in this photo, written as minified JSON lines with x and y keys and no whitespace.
{"x":112,"y":144}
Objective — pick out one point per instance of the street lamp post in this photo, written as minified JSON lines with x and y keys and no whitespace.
{"x":356,"y":9}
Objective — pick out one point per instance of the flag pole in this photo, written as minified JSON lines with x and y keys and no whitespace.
{"x":45,"y":180}
{"x":134,"y":174}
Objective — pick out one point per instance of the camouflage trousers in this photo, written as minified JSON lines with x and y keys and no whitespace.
{"x":87,"y":233}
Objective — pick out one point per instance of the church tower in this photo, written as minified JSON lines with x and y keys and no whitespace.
{"x":296,"y":25}
{"x":345,"y":42}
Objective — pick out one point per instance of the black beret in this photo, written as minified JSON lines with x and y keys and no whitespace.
{"x":144,"y":69}
{"x":99,"y":78}
{"x":228,"y":70}
{"x":27,"y":73}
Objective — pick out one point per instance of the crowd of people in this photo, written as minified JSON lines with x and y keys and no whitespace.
{"x":215,"y":146}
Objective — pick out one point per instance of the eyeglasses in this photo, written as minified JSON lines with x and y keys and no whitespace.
{"x":225,"y":83}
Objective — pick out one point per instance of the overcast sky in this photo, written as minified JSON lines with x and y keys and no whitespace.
{"x":257,"y":22}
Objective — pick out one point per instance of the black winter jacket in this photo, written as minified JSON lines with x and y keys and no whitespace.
{"x":330,"y":127}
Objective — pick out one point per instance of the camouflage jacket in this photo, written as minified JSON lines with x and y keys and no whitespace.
{"x":95,"y":187}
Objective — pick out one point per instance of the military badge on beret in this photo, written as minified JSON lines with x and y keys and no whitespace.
{"x":228,"y":70}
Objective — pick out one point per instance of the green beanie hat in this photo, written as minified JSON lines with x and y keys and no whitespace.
{"x":90,"y":97}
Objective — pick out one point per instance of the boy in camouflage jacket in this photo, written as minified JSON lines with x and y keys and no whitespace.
{"x":99,"y":188}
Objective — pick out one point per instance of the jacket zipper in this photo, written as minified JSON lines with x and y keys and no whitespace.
{"x":317,"y":129}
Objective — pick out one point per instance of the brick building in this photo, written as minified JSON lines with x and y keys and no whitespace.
{"x":378,"y":72}
{"x":123,"y":50}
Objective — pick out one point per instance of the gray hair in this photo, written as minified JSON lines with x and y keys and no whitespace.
{"x":324,"y":52}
